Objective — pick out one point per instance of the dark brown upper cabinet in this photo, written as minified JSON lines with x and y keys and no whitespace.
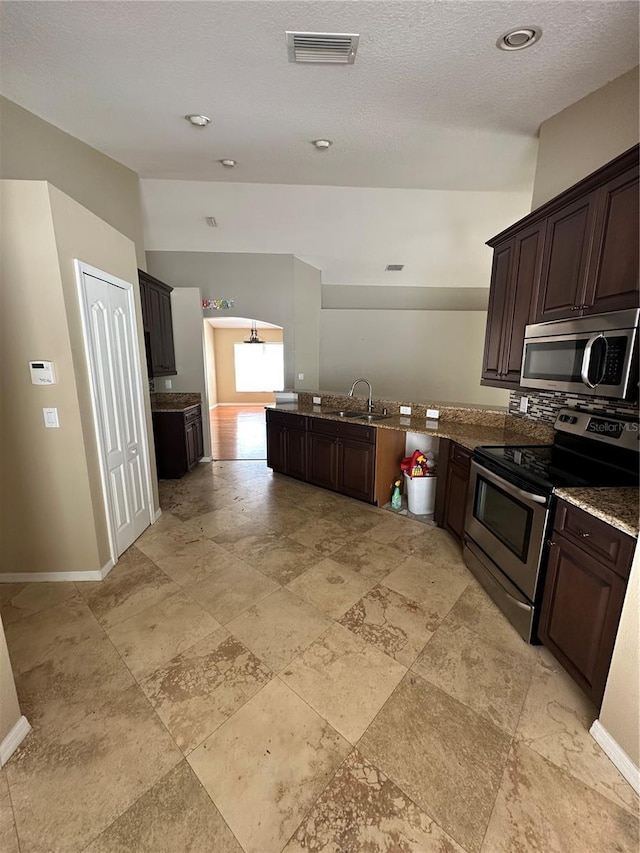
{"x":575,"y":255}
{"x":515,"y":279}
{"x":612,"y":281}
{"x":565,"y":264}
{"x":157,"y":323}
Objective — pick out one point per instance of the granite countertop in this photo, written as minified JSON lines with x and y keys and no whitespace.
{"x":172,"y":407}
{"x":468,"y":435}
{"x":178,"y":401}
{"x":617,"y":506}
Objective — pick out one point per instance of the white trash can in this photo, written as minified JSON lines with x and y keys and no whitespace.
{"x":421,"y":494}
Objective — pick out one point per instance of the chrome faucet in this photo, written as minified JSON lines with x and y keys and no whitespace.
{"x":370,"y":403}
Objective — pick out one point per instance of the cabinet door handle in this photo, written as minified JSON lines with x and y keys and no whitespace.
{"x":550,"y":543}
{"x":584,"y":534}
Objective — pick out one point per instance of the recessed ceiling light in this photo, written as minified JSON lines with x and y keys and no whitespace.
{"x":198,"y":121}
{"x":519,"y":39}
{"x":228,"y":164}
{"x":394,"y":267}
{"x":211,"y":222}
{"x":322,"y":144}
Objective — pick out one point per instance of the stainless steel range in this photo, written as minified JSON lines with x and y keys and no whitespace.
{"x":511,"y":496}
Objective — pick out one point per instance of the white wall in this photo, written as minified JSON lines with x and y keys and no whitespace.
{"x":422,"y":356}
{"x":189,"y":343}
{"x":586,"y":135}
{"x":210,"y":363}
{"x":307,"y":295}
{"x":34,"y":150}
{"x":261,"y":285}
{"x":350,"y":233}
{"x":9,"y":708}
{"x":53,"y":517}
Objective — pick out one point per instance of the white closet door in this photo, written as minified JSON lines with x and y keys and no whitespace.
{"x":120,"y":415}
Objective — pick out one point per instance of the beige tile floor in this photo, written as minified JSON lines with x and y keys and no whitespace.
{"x":276,"y":668}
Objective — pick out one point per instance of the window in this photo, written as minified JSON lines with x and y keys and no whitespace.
{"x":259,"y":367}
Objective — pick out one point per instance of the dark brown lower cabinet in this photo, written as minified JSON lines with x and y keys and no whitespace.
{"x":342,"y":457}
{"x":333,"y":455}
{"x":454,"y":465}
{"x":322,"y":460}
{"x":178,"y":441}
{"x":287,"y":443}
{"x":583,"y":594}
{"x":356,"y":468}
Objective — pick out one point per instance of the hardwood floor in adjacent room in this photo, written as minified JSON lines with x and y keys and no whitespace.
{"x":238,"y":432}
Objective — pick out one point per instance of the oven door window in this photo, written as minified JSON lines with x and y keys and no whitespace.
{"x":504,"y":516}
{"x":559,"y":361}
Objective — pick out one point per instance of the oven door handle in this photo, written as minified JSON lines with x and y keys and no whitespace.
{"x":527,"y":495}
{"x":586,"y":361}
{"x":509,"y":487}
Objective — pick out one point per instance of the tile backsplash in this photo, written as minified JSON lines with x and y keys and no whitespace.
{"x":545,"y":405}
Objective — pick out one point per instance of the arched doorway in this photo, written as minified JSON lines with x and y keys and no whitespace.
{"x":244,"y":366}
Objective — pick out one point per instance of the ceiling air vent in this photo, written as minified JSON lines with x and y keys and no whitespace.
{"x":332,"y":48}
{"x":394,"y":267}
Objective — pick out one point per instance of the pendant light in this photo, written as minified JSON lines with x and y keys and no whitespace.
{"x":253,"y":337}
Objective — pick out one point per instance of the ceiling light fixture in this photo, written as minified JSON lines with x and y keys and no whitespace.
{"x":198,"y":121}
{"x":253,"y":336}
{"x":519,"y":39}
{"x":211,"y":222}
{"x":228,"y":164}
{"x":322,"y":144}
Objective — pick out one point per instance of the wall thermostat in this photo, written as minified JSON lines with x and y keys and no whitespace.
{"x":42,"y":372}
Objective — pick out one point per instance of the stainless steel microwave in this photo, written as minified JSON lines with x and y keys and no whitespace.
{"x":596,"y":355}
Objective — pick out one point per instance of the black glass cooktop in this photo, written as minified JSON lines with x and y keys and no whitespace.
{"x":550,"y":466}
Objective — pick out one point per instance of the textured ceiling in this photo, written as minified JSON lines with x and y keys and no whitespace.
{"x":429,"y":103}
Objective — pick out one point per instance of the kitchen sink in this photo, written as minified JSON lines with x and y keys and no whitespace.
{"x":361,"y":416}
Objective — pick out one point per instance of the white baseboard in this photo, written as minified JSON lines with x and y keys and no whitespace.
{"x":13,"y":740}
{"x":212,"y":407}
{"x":206,"y":459}
{"x":157,"y":515}
{"x":57,"y":577}
{"x":616,"y":754}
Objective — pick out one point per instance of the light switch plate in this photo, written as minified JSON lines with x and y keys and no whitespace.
{"x":405,"y":421}
{"x":405,"y":410}
{"x":317,"y":401}
{"x":301,"y":376}
{"x":168,"y":383}
{"x":433,"y":414}
{"x":51,"y":418}
{"x":524,"y":404}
